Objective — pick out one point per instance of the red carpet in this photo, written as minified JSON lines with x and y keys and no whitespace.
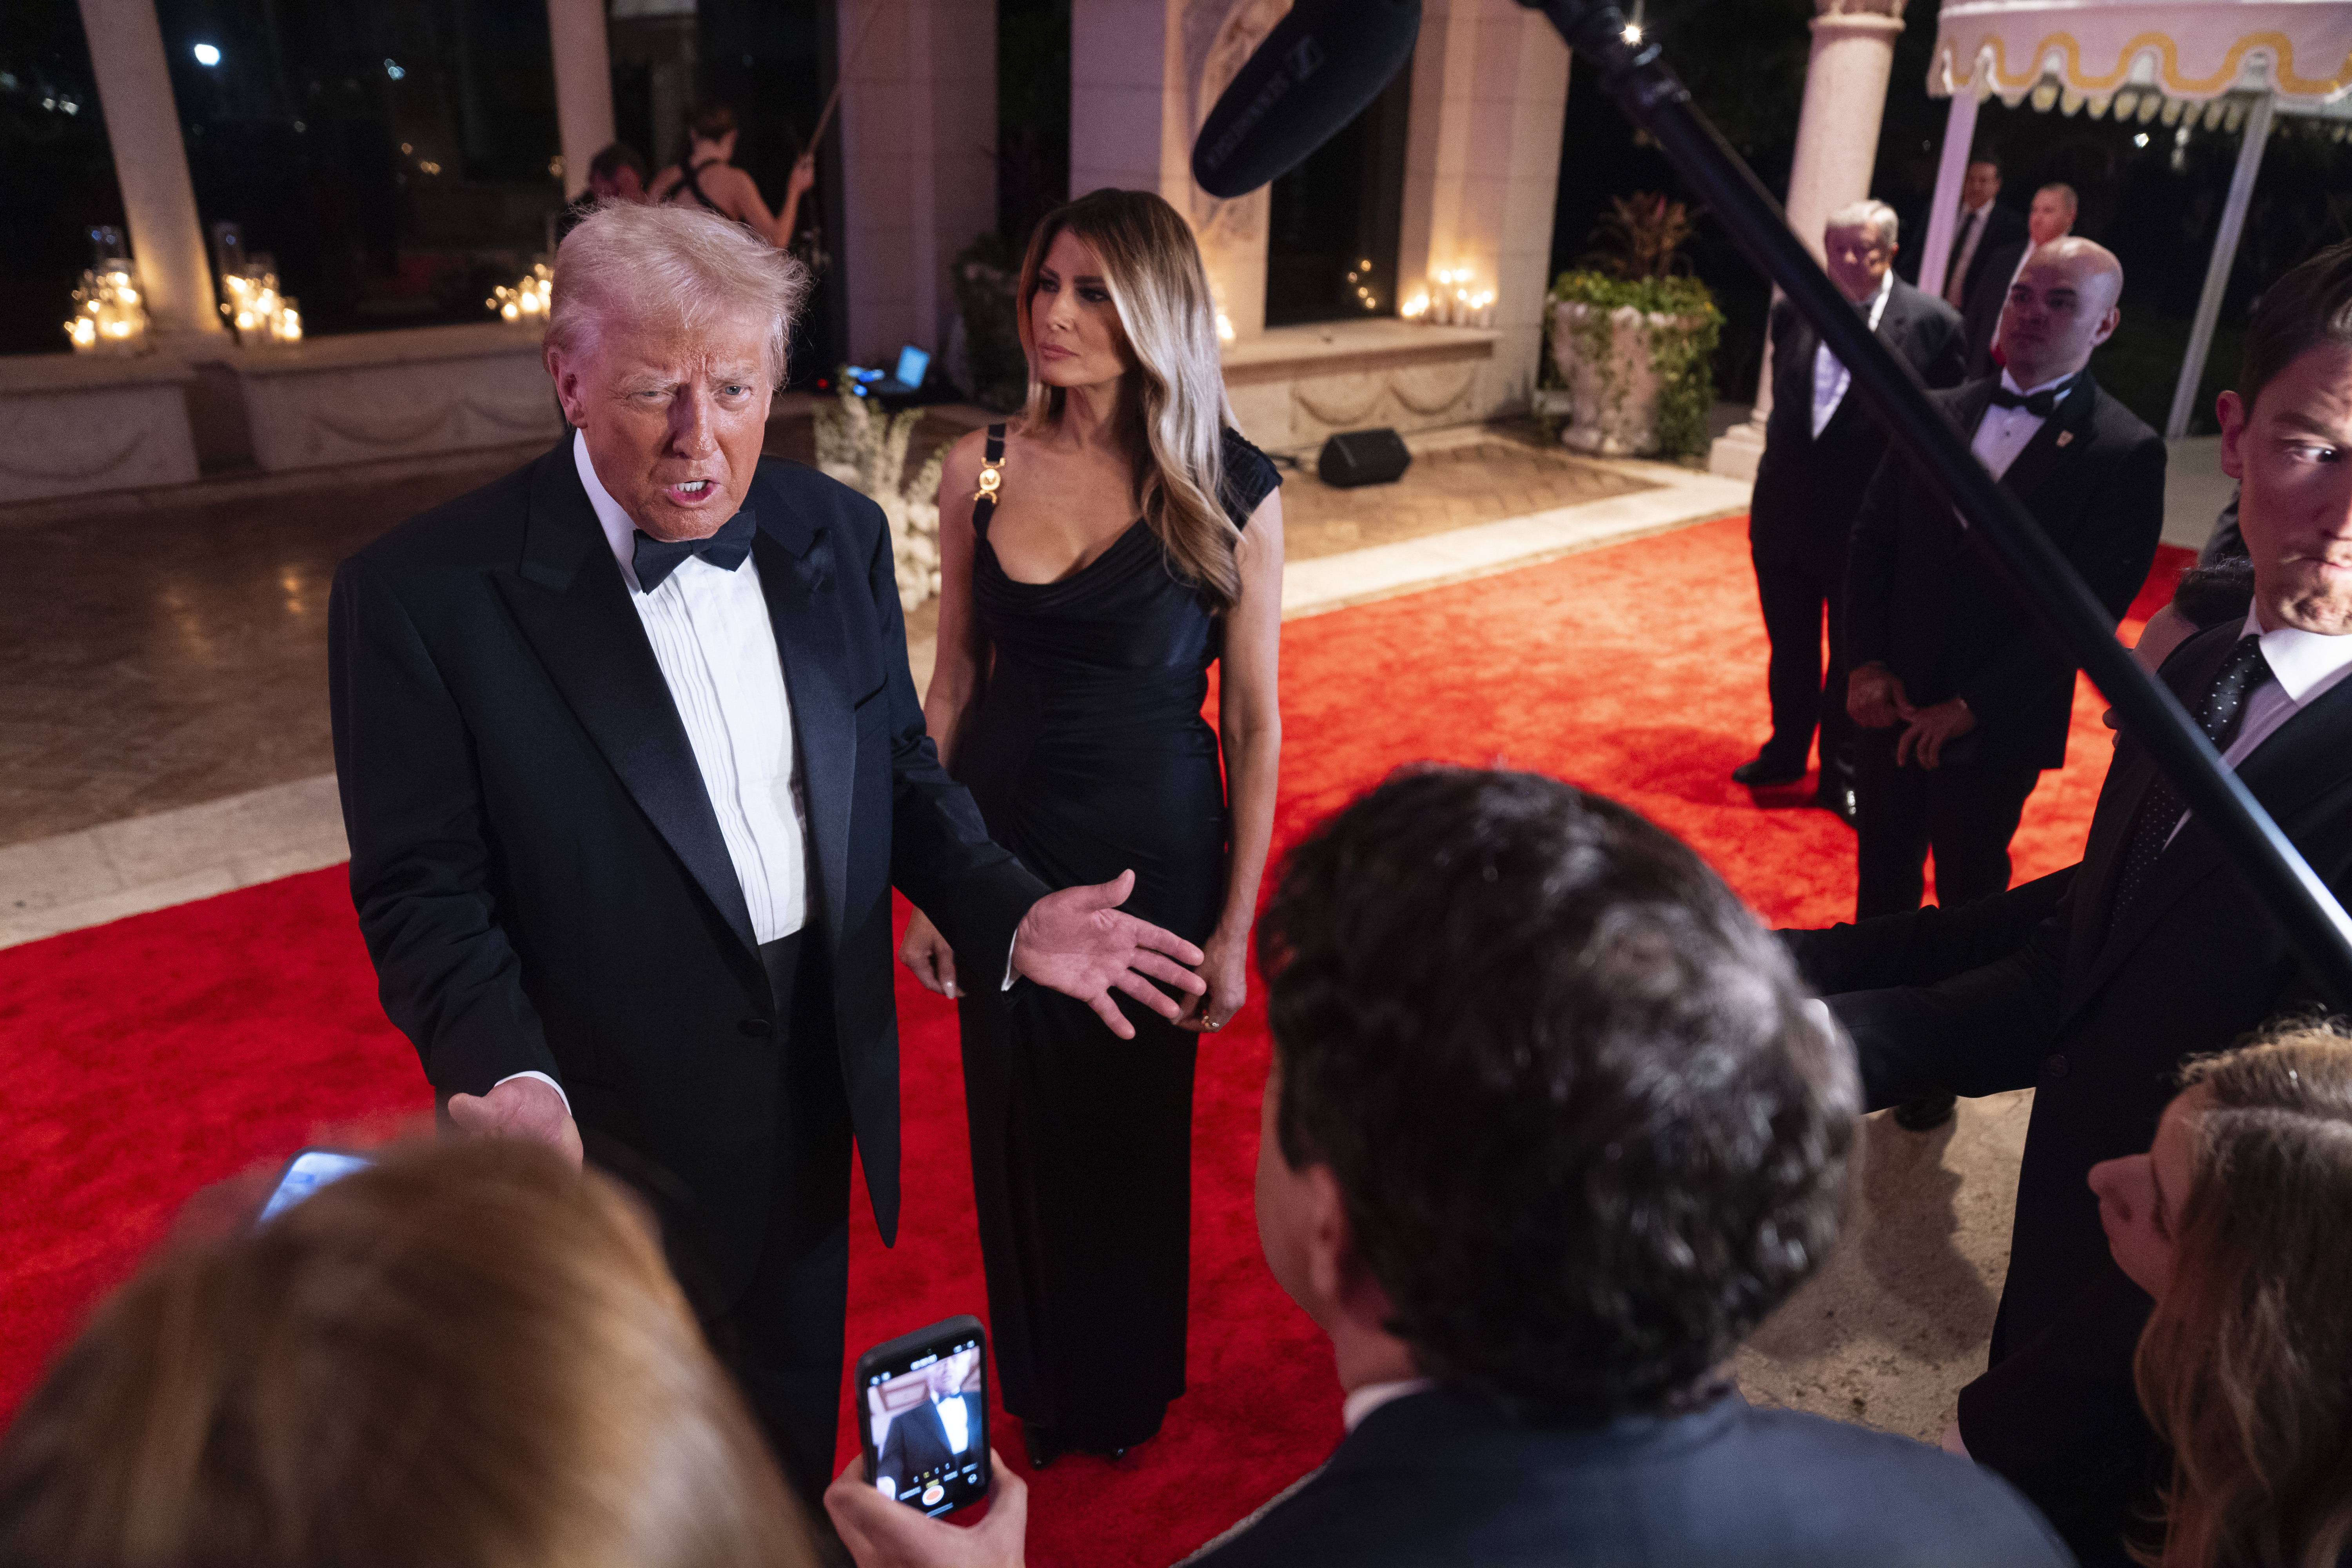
{"x":148,"y":1058}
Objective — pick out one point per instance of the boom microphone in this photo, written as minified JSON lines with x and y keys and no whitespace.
{"x":1315,"y":71}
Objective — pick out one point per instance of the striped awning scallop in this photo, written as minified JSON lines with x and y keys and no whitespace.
{"x":2184,"y":49}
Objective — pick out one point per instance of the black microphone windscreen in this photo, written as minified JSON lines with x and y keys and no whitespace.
{"x":1314,"y":72}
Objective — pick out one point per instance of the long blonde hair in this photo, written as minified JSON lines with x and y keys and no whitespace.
{"x":470,"y":1355}
{"x":1152,"y":272}
{"x":2245,"y":1367}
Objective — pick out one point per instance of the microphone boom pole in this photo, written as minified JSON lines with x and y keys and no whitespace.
{"x":2035,"y":571}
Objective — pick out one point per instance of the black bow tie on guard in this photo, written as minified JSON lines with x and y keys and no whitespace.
{"x":2040,"y":405}
{"x":655,"y":559}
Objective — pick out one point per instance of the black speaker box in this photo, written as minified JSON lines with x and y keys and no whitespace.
{"x":1363,"y":457}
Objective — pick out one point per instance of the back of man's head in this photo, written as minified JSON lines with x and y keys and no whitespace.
{"x":1584,"y":1131}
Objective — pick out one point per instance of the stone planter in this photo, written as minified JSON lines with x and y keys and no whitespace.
{"x":1613,"y":398}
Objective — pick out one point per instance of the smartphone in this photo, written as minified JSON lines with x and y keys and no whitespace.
{"x":923,"y":1404}
{"x":305,"y":1174}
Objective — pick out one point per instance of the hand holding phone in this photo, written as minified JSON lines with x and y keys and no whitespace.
{"x":881,"y":1534}
{"x":923,"y":1409}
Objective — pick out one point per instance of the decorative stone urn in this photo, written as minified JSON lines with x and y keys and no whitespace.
{"x":1609,"y":360}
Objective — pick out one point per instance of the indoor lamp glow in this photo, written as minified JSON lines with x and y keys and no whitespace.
{"x":111,"y":318}
{"x":529,"y":299}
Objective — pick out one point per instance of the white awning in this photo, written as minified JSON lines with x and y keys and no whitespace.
{"x":2192,"y":49}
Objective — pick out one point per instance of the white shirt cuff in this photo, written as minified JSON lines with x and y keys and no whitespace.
{"x":543,"y":1079}
{"x":1010,"y":948}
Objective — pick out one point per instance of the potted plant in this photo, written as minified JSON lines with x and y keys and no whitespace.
{"x":1634,"y":335}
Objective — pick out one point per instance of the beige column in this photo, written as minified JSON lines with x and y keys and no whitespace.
{"x":1837,"y":146}
{"x":151,"y":164}
{"x":1481,"y":172}
{"x":918,"y":161}
{"x":583,"y":85}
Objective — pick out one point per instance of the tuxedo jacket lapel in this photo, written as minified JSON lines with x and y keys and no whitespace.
{"x":2072,"y":419}
{"x":796,"y":570}
{"x":571,"y":603}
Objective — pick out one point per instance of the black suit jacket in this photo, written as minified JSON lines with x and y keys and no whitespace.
{"x":2096,"y":1015}
{"x":539,"y":873}
{"x":2004,"y":226}
{"x":1438,"y":1478}
{"x":1988,"y":293}
{"x":1923,"y":600}
{"x":917,"y":1441}
{"x":1808,"y":488}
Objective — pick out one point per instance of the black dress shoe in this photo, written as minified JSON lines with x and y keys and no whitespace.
{"x":1038,"y":1438}
{"x":1837,"y":798}
{"x":1767,"y":769}
{"x":1925,"y":1115}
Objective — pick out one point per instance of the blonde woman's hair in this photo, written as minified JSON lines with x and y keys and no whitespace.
{"x":1151,"y":268}
{"x":469,"y":1356}
{"x":2245,"y":1367}
{"x":630,"y":261}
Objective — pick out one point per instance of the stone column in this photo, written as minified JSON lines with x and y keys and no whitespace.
{"x":1837,"y":146}
{"x":150,"y":165}
{"x":1481,"y":172}
{"x":917,"y":163}
{"x":583,"y":85}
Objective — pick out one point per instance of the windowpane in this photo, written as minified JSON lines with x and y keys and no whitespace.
{"x":57,"y":174}
{"x":1331,"y":248}
{"x":396,"y":158}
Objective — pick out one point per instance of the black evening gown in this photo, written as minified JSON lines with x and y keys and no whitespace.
{"x":1087,"y":755}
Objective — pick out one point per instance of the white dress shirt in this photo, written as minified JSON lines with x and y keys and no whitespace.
{"x":1362,"y":1402}
{"x":2305,"y":664}
{"x":1830,"y":377}
{"x":717,"y":649}
{"x":1973,"y":223}
{"x":955,"y":1420}
{"x":2003,"y":433}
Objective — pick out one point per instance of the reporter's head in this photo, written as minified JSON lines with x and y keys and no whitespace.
{"x":468,"y":1355}
{"x":1547,"y":1103}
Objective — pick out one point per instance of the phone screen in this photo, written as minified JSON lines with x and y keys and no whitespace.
{"x":306,"y":1172}
{"x":926,"y":1413}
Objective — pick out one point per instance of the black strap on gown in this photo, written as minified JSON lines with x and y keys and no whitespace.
{"x":691,"y":184}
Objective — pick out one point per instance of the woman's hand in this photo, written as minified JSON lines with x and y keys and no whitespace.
{"x":1226,"y":966}
{"x":926,"y":952}
{"x":804,"y":174}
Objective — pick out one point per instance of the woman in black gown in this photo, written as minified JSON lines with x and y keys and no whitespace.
{"x":1097,"y":556}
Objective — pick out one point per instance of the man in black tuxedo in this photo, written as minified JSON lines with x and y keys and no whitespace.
{"x":1986,"y":226}
{"x":1961,"y":701}
{"x":2050,"y":217}
{"x":630,"y":761}
{"x":1820,"y":448}
{"x":1550,"y":1127}
{"x":2155,"y":950}
{"x":944,"y":1429}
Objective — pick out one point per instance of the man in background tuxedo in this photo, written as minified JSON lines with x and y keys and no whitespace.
{"x":1820,"y":450}
{"x":2155,"y":950}
{"x":2050,"y":217}
{"x":630,"y":761}
{"x":1960,"y":698}
{"x":1986,"y":226}
{"x":944,"y":1429}
{"x":1550,"y":1127}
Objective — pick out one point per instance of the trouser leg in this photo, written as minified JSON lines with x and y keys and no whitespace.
{"x":1972,"y":814}
{"x":1790,"y":598}
{"x":1836,"y":727}
{"x":1890,"y":828}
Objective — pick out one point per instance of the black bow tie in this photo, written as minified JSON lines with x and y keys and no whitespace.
{"x":655,"y":559}
{"x":2039,"y":405}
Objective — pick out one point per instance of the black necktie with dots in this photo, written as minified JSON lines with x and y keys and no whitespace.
{"x":2223,"y":711}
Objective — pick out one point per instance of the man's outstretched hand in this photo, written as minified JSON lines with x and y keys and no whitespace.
{"x":1077,"y":942}
{"x":519,"y":1107}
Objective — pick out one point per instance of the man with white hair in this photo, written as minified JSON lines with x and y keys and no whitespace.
{"x":1820,"y":448}
{"x":630,"y":761}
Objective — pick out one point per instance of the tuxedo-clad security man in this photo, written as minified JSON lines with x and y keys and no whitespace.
{"x":1820,"y":448}
{"x":630,"y":761}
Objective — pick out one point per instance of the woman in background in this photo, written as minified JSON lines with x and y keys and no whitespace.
{"x":470,"y":1355}
{"x":2235,"y":1222}
{"x":707,"y":179}
{"x":1096,"y":558}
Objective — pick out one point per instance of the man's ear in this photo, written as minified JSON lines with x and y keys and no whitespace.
{"x":2108,"y":325}
{"x":2230,"y":410}
{"x":1336,"y":1270}
{"x":567,"y":383}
